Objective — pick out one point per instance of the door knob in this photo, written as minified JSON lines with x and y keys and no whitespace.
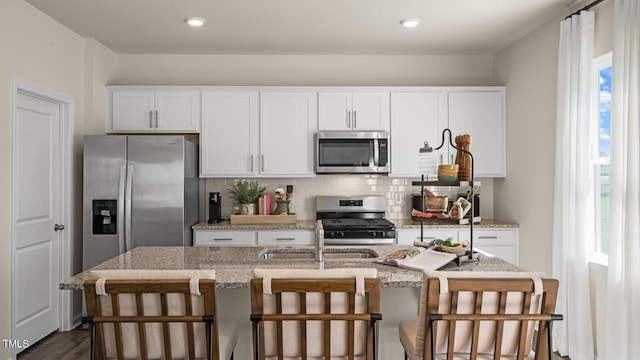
{"x":57,"y":227}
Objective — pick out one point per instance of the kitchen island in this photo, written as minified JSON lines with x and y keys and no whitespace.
{"x":234,"y":266}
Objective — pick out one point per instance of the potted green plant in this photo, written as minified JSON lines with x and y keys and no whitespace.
{"x":246,"y":193}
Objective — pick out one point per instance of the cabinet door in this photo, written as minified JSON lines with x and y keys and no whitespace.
{"x":416,"y":117}
{"x":285,"y":237}
{"x":229,"y":136}
{"x":334,"y":110}
{"x":287,"y":126}
{"x":502,"y":243}
{"x":177,"y":111}
{"x":482,"y":115}
{"x":132,"y":110}
{"x":370,"y":110}
{"x":224,"y":237}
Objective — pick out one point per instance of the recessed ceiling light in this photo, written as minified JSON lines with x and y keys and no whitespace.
{"x":195,"y":21}
{"x":410,"y":22}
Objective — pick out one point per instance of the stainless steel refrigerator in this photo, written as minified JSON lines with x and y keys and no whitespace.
{"x":138,"y":191}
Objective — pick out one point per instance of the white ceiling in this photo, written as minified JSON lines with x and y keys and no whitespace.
{"x":304,"y":26}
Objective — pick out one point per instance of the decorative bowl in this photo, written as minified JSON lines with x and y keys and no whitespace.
{"x":447,"y":172}
{"x":447,"y":178}
{"x":448,"y":167}
{"x":459,"y":249}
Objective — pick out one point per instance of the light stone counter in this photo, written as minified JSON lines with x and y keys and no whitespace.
{"x":484,"y":224}
{"x":310,"y":225}
{"x":234,"y":265}
{"x":226,"y":225}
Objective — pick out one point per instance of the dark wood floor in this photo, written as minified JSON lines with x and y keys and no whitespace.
{"x":63,"y":345}
{"x":75,"y":344}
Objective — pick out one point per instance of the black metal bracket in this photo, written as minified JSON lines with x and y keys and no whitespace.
{"x":470,"y":255}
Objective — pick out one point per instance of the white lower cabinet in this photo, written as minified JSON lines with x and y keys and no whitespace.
{"x":502,"y":243}
{"x":224,"y":237}
{"x":252,"y":237}
{"x":285,"y":237}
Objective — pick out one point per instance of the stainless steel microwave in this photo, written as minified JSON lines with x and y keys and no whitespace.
{"x":352,"y":152}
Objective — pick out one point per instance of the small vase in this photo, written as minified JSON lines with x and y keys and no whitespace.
{"x":281,"y":207}
{"x":247,"y":209}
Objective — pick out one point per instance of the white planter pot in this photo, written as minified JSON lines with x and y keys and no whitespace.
{"x":247,"y":209}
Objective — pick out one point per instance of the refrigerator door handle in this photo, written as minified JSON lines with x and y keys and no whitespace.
{"x":121,"y":201}
{"x":128,"y":207}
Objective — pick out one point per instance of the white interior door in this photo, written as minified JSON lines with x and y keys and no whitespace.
{"x":36,"y":216}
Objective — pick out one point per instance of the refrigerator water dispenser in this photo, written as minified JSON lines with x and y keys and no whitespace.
{"x":105,"y":218}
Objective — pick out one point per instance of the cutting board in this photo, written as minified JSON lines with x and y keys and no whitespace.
{"x":262,"y":219}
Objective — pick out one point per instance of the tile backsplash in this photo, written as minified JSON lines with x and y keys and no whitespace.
{"x":398,"y":192}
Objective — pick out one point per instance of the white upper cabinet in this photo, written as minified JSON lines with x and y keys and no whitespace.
{"x":422,"y":114}
{"x":252,"y":134}
{"x":229,"y":136}
{"x":154,"y":111}
{"x":288,"y":122}
{"x":416,"y":117}
{"x":481,"y":113}
{"x":354,"y":111}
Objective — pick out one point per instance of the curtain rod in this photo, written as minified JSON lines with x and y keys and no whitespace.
{"x":587,"y":7}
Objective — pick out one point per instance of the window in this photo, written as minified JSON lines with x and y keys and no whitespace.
{"x":601,"y":153}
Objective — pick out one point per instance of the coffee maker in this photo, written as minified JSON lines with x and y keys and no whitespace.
{"x":215,"y":207}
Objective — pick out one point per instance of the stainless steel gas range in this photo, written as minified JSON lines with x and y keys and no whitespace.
{"x":355,"y":220}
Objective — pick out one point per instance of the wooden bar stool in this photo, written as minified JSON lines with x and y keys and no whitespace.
{"x":305,"y":314}
{"x":149,"y":314}
{"x":482,"y":315}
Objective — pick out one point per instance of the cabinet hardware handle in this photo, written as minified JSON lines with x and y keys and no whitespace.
{"x":57,"y":227}
{"x":150,"y":119}
{"x":251,"y":163}
{"x":156,"y":119}
{"x":451,"y":159}
{"x":262,"y":163}
{"x":348,"y":119}
{"x":487,"y":237}
{"x":441,"y":159}
{"x":286,"y":239}
{"x":222,"y":239}
{"x":354,"y":119}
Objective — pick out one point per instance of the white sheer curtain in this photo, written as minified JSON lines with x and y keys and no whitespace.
{"x":573,"y":219}
{"x":623,"y":302}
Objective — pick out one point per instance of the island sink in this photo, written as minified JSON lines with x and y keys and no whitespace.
{"x":308,"y":254}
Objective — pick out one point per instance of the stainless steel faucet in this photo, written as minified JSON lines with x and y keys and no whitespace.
{"x":319,"y":250}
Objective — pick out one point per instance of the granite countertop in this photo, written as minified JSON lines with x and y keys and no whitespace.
{"x":226,"y":225}
{"x":310,"y":225}
{"x":484,"y":224}
{"x":234,"y":265}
